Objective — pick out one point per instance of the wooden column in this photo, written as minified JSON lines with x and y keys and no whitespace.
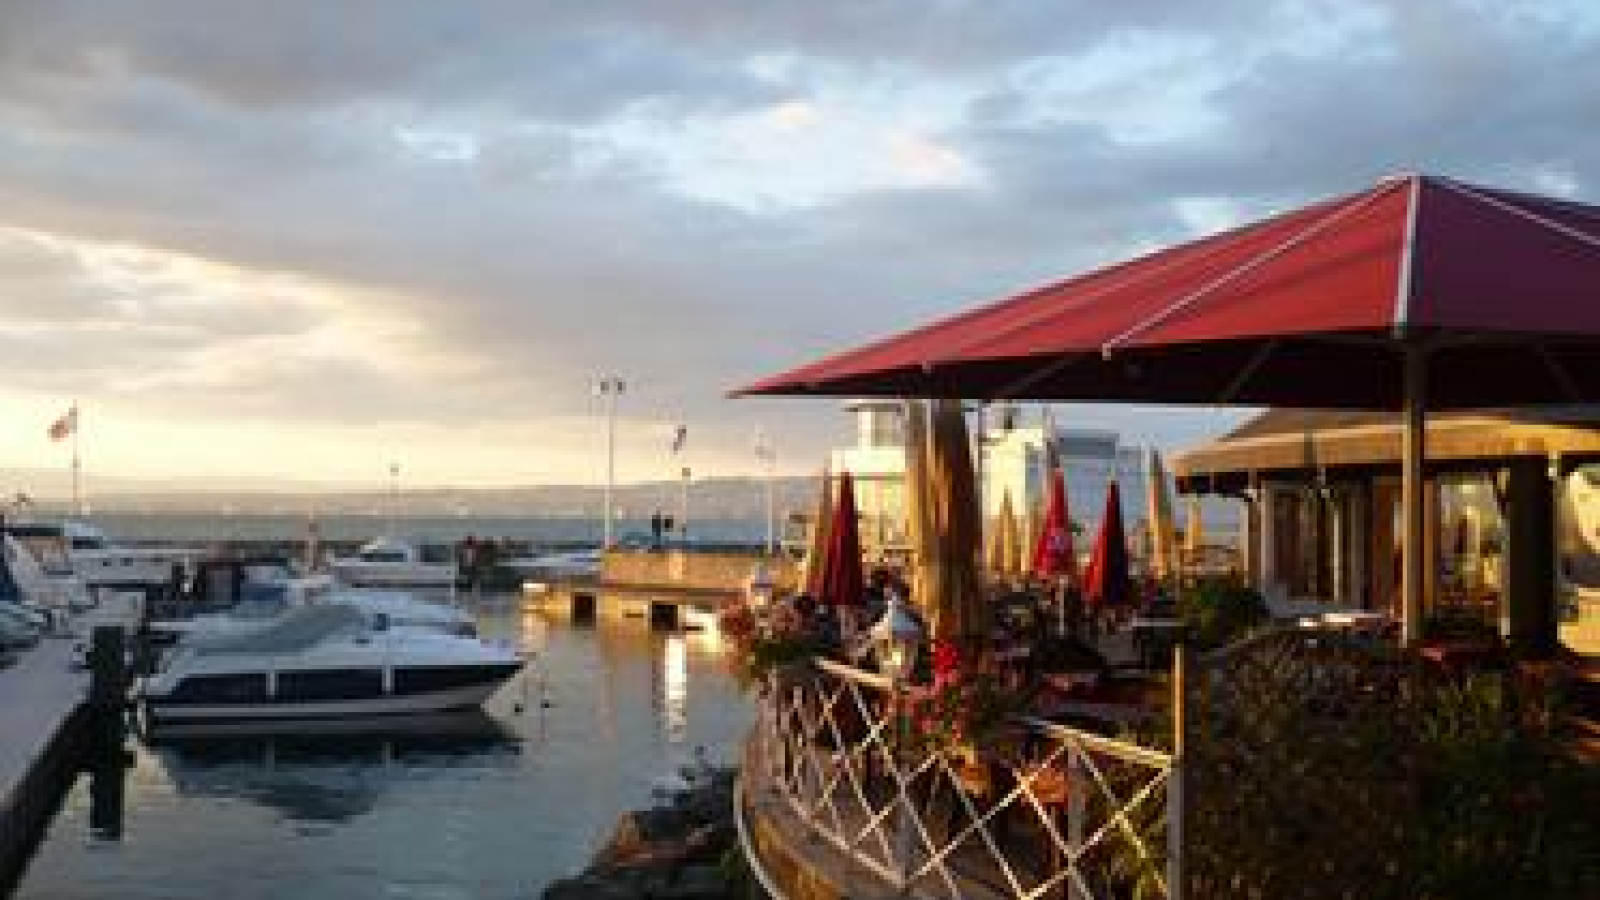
{"x":1339,"y":551}
{"x":1267,"y":548}
{"x":1359,"y":507}
{"x":1250,"y":539}
{"x":1530,"y":558}
{"x":1432,"y":545}
{"x":1413,"y":458}
{"x":1381,"y":559}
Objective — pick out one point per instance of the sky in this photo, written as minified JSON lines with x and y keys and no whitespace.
{"x":310,"y":240}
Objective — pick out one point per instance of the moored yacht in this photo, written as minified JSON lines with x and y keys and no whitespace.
{"x":98,"y":562}
{"x":234,"y":596}
{"x":42,"y":574}
{"x":326,"y":660}
{"x":390,"y":563}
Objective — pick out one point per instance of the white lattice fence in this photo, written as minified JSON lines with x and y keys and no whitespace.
{"x":1057,"y":813}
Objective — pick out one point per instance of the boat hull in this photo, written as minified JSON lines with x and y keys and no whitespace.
{"x":455,"y":697}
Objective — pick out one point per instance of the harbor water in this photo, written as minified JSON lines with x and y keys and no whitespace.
{"x":459,"y":806}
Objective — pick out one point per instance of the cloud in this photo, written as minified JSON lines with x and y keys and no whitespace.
{"x":418,"y":224}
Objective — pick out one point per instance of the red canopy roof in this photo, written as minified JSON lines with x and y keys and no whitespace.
{"x":1301,"y":309}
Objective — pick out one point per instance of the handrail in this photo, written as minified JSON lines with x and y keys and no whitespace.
{"x":871,"y":679}
{"x":1110,"y":746}
{"x":1090,"y":809}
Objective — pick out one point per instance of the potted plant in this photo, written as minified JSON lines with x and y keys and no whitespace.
{"x":965,"y":712}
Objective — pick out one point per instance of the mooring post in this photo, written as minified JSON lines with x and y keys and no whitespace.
{"x":108,"y":669}
{"x":106,"y":727}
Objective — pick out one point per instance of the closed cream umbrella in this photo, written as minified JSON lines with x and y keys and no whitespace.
{"x":1159,"y":520}
{"x":1194,"y":536}
{"x":1004,"y":542}
{"x":956,"y":612}
{"x":811,"y":566}
{"x":923,"y":576}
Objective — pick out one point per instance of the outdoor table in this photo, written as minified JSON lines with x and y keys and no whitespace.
{"x":1357,"y":620}
{"x":1154,"y":638}
{"x":1111,"y":716}
{"x":1458,"y":654}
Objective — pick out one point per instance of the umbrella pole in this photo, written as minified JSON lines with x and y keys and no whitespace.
{"x":1413,"y":452}
{"x":1061,"y":606}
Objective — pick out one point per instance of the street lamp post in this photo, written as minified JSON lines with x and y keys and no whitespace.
{"x":768,"y":456}
{"x":610,"y":387}
{"x":683,"y":508}
{"x":394,"y":497}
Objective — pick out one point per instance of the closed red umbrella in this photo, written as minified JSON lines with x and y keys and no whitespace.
{"x":843,"y":582}
{"x":1054,"y":556}
{"x":1106,"y":583}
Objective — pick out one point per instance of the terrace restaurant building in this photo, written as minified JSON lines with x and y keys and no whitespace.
{"x":1512,"y":533}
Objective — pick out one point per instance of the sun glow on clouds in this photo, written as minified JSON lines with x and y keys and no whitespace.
{"x":829,"y":142}
{"x":185,"y":364}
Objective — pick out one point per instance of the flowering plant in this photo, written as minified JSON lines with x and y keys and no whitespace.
{"x":763,"y":644}
{"x":969,"y":705}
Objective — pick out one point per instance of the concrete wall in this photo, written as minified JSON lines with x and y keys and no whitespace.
{"x":688,"y":570}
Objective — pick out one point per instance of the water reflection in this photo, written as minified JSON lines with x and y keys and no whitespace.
{"x":483,"y":805}
{"x":675,"y":690}
{"x":325,"y":771}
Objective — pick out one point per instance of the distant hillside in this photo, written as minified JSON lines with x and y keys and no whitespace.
{"x":709,"y":498}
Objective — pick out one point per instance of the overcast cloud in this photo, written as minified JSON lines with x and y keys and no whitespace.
{"x":419,"y":230}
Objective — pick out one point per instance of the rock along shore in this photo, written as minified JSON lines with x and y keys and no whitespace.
{"x":685,"y":848}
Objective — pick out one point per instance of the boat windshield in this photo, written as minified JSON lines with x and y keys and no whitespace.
{"x":295,"y":631}
{"x":261,"y":601}
{"x":383,"y":555}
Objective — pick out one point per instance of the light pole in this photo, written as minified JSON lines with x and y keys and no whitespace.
{"x":394,"y":497}
{"x":683,"y":510}
{"x":768,"y":455}
{"x":610,"y":387}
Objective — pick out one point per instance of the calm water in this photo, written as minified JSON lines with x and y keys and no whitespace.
{"x":489,"y":806}
{"x":202,"y":528}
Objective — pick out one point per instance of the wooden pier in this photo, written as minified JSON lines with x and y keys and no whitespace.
{"x":46,"y":727}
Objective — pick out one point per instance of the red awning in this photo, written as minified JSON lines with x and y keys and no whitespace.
{"x":1300,"y":309}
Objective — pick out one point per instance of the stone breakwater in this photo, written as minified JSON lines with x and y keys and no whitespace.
{"x":685,"y":848}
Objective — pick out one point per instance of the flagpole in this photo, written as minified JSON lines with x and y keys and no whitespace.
{"x":77,"y":466}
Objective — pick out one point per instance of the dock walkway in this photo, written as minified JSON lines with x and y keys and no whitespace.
{"x":37,"y":694}
{"x":41,"y":703}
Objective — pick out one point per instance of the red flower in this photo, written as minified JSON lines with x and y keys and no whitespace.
{"x":946,"y":661}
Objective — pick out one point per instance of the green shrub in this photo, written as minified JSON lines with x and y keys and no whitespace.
{"x":1219,"y":611}
{"x":1322,"y":768}
{"x":1459,"y":625}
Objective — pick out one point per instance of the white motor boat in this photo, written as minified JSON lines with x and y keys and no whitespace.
{"x":326,"y":660}
{"x":390,"y":563}
{"x":99,"y":563}
{"x":264,"y":592}
{"x":44,"y":577}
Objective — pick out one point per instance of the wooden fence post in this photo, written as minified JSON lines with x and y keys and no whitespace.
{"x":1177,"y":782}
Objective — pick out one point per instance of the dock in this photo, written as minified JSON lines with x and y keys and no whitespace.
{"x":46,"y":730}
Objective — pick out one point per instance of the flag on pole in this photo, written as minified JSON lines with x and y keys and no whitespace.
{"x":64,"y":426}
{"x":679,"y":438}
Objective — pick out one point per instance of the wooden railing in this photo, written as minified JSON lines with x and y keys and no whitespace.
{"x":1058,"y":812}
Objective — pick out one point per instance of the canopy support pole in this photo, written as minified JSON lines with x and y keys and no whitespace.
{"x":1412,"y":503}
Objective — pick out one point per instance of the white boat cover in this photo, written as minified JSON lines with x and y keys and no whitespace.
{"x":297,"y":630}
